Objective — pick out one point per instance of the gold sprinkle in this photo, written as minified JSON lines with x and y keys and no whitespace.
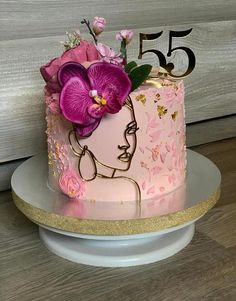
{"x":142,"y":98}
{"x":174,"y":115}
{"x":158,"y":96}
{"x":161,"y":111}
{"x":169,"y":85}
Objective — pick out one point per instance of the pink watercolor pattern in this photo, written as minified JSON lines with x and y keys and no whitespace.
{"x":162,"y":150}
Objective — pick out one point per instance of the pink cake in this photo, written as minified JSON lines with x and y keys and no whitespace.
{"x":113,"y":150}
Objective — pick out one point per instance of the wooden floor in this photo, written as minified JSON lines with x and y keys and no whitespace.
{"x":204,"y":270}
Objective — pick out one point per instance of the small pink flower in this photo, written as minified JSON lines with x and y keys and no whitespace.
{"x":156,"y":170}
{"x":172,"y":179}
{"x":163,"y":157}
{"x":143,"y":164}
{"x":162,"y":189}
{"x":168,"y":147}
{"x":155,"y":136}
{"x":170,"y":96}
{"x":126,"y":35}
{"x":144,"y":185}
{"x":155,"y":152}
{"x":151,"y":190}
{"x":109,"y":55}
{"x":141,"y":149}
{"x":52,"y":101}
{"x":98,"y":25}
{"x":71,"y":184}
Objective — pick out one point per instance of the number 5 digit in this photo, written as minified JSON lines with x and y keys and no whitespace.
{"x":151,"y":36}
{"x":189,"y":52}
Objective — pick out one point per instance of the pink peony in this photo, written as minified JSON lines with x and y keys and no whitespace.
{"x":98,"y":25}
{"x":126,"y":35}
{"x":109,"y":55}
{"x":84,"y":52}
{"x":71,"y":184}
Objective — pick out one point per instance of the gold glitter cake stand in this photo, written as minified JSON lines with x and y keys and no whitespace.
{"x":75,"y":233}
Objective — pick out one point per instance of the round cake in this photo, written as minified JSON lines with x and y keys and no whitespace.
{"x":115,"y":150}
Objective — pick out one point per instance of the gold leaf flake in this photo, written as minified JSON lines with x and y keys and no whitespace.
{"x":174,"y":115}
{"x":161,"y":111}
{"x":141,"y":98}
{"x":158,"y":96}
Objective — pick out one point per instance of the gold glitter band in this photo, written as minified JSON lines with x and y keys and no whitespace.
{"x":115,"y":227}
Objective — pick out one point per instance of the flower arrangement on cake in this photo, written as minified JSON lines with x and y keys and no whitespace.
{"x":91,"y":78}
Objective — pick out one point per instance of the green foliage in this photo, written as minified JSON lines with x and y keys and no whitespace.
{"x":139,"y":74}
{"x":130,"y":66}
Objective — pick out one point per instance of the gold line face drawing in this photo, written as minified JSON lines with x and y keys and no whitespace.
{"x":125,"y":151}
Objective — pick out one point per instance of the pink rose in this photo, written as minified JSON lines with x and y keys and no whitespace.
{"x":71,"y":184}
{"x":126,"y":35}
{"x":98,"y":25}
{"x":84,"y":52}
{"x":109,"y":55}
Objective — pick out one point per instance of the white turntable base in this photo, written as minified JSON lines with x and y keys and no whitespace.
{"x":119,"y":252}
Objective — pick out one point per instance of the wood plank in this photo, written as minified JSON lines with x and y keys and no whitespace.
{"x":22,"y":124}
{"x":38,"y":18}
{"x":220,"y":225}
{"x":6,"y":171}
{"x":211,"y":130}
{"x":222,"y":153}
{"x":22,"y":129}
{"x":5,"y":196}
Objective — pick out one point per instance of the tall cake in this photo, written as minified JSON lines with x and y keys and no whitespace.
{"x":115,"y":131}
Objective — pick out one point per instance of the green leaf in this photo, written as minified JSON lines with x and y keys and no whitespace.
{"x":139,"y":74}
{"x":130,"y":66}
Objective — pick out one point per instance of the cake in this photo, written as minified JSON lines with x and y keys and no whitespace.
{"x":115,"y":132}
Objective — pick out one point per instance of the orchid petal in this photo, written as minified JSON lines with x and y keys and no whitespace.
{"x":71,"y":69}
{"x":110,"y":94}
{"x":85,"y":131}
{"x":74,"y":101}
{"x":102,"y":74}
{"x":96,"y":111}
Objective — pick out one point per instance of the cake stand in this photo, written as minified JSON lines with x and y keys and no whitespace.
{"x":142,"y":239}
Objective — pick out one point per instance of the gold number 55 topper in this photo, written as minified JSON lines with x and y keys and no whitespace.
{"x":162,"y":59}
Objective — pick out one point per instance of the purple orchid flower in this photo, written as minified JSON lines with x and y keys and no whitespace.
{"x":88,"y":94}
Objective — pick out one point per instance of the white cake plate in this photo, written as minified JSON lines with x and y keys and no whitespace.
{"x":114,"y":243}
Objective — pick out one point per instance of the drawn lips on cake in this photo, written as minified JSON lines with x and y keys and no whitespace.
{"x":125,"y":156}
